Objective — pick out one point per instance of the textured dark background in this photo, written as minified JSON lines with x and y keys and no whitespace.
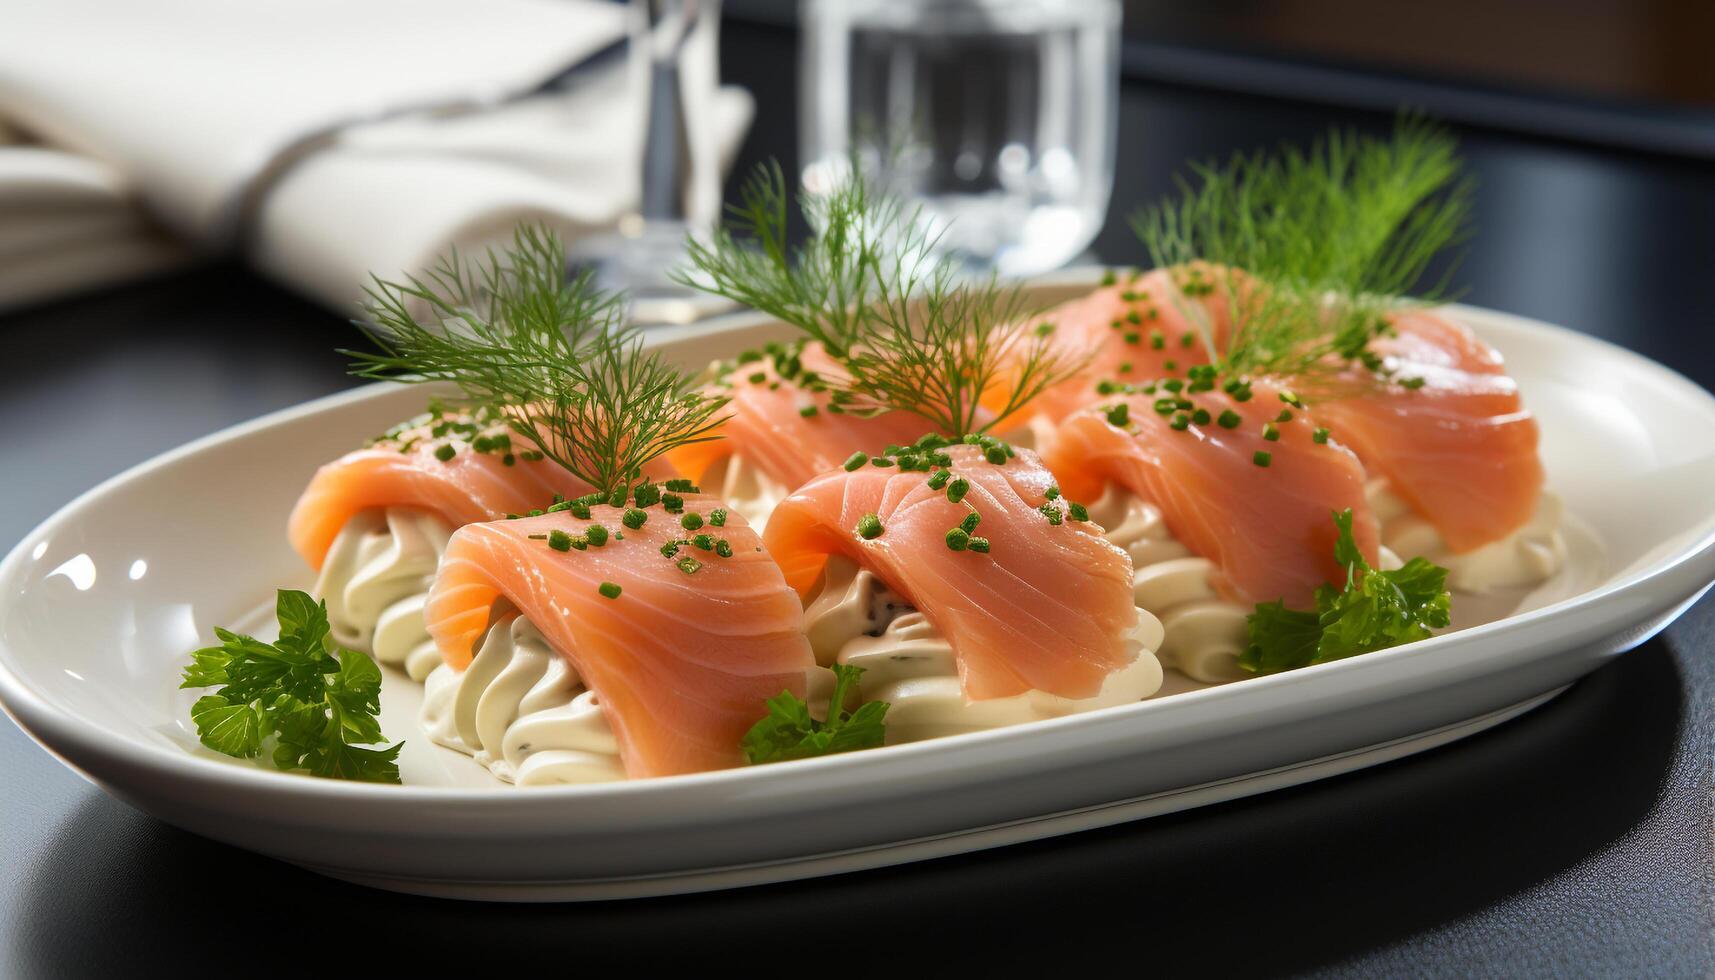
{"x":1573,"y":841}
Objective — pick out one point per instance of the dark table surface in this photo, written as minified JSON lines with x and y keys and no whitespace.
{"x":1575,"y":840}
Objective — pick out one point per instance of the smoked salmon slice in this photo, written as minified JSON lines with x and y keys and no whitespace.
{"x":1047,"y":606}
{"x":460,"y":467}
{"x":682,"y":645}
{"x":1259,"y":509}
{"x":781,"y":423}
{"x":1459,"y":447}
{"x":1141,"y":327}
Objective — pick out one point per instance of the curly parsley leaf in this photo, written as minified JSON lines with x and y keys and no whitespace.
{"x":314,"y":704}
{"x":1375,"y":610}
{"x":788,"y":732}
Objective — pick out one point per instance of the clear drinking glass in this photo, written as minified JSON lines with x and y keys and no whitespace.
{"x":649,"y":243}
{"x":997,"y":117}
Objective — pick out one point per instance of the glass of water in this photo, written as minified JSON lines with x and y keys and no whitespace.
{"x":996,"y":117}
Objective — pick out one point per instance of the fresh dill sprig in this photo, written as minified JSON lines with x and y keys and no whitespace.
{"x":1312,"y":249}
{"x":551,"y":355}
{"x":862,"y":244}
{"x":911,"y":333}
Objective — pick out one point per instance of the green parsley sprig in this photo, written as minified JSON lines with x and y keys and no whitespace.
{"x":309,"y":704}
{"x":788,"y":732}
{"x":1375,"y":610}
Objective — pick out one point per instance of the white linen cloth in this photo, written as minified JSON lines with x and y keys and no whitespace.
{"x":173,"y":109}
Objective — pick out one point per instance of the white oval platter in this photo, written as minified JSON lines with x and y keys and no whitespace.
{"x":100,"y":605}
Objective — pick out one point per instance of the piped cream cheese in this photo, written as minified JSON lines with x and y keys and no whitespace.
{"x":521,"y":710}
{"x":1203,"y":632}
{"x":376,"y":578}
{"x":855,"y":619}
{"x":745,"y":488}
{"x":1527,"y":556}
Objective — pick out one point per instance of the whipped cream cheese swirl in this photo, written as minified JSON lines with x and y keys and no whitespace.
{"x":745,"y":488}
{"x":1529,"y":555}
{"x":375,"y":579}
{"x":1204,"y":633}
{"x":856,"y":619}
{"x":521,"y":710}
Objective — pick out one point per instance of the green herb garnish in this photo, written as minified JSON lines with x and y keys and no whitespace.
{"x":788,"y":732}
{"x":309,"y":704}
{"x":1374,"y":611}
{"x":551,"y":354}
{"x":912,"y":333}
{"x":1336,"y":237}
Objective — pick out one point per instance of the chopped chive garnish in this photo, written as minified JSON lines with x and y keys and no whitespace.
{"x":1262,"y":458}
{"x":445,"y":451}
{"x":717,"y":517}
{"x":1108,"y":278}
{"x":579,"y":510}
{"x":1284,"y":416}
{"x":672,"y":503}
{"x":971,"y":521}
{"x":995,"y":455}
{"x":957,"y":489}
{"x":703,"y":542}
{"x":1320,"y":436}
{"x":596,"y":534}
{"x":1119,"y":414}
{"x":609,"y":590}
{"x":808,"y":411}
{"x":688,"y":565}
{"x":869,"y":527}
{"x":1412,"y":384}
{"x":1077,"y":511}
{"x":1270,"y":433}
{"x":958,"y":538}
{"x":758,"y":377}
{"x":1052,"y":513}
{"x":671,"y":548}
{"x":646,"y":494}
{"x":616,"y":498}
{"x":691,"y":522}
{"x":1051,"y":493}
{"x":559,"y":540}
{"x":1180,"y":422}
{"x":1157,"y":341}
{"x":855,"y":460}
{"x":1188,"y":340}
{"x":1133,"y":337}
{"x":979,"y":545}
{"x":939,"y":478}
{"x":723,"y":548}
{"x":881,"y":461}
{"x":508,"y":459}
{"x":633,"y":518}
{"x":1200,"y":416}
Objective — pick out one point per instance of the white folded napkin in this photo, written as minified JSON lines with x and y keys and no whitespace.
{"x":243,"y":125}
